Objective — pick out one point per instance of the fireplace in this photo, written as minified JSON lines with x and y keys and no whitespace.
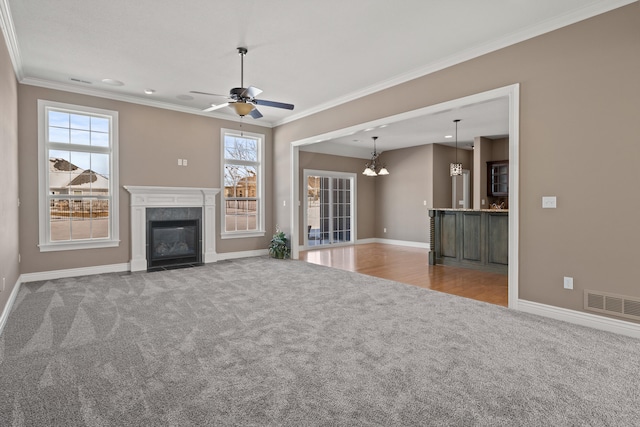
{"x":173,"y":244}
{"x":171,"y":204}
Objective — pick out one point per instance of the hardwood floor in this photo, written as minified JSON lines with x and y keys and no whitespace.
{"x":411,"y":265}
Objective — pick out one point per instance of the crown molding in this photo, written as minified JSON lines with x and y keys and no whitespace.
{"x":127,"y":98}
{"x":9,"y":32}
{"x":526,"y":33}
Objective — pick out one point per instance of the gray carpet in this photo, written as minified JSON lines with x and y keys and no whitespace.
{"x":262,"y":342}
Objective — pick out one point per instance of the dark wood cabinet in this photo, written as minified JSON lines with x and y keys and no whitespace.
{"x":471,"y":239}
{"x":498,"y":178}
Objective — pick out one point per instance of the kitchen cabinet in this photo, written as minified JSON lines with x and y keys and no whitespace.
{"x":477,"y":239}
{"x":498,"y":178}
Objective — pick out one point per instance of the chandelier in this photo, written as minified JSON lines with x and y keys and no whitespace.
{"x":375,"y":167}
{"x":455,"y":169}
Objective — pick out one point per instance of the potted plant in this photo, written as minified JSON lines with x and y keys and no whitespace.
{"x":279,"y":248}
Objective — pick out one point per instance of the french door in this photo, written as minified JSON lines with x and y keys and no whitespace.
{"x":329,"y":209}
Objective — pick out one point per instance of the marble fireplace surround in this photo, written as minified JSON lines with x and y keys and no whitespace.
{"x":143,"y":197}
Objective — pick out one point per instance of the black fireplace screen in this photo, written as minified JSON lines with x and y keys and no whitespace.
{"x":174,"y":243}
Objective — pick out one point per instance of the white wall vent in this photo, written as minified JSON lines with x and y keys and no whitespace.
{"x":613,"y":304}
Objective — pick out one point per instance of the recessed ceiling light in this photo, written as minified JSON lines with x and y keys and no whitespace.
{"x":448,"y":136}
{"x":185,"y":97}
{"x":112,"y":82}
{"x":383,"y":126}
{"x":149,"y":91}
{"x":369,"y":129}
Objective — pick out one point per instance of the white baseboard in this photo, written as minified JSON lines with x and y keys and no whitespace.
{"x":580,"y":318}
{"x":116,"y":268}
{"x":74,"y":272}
{"x":9,"y":304}
{"x":407,"y":243}
{"x":366,"y":241}
{"x":242,"y":254}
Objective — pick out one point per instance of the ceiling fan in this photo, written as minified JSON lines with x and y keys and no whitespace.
{"x":243,"y":100}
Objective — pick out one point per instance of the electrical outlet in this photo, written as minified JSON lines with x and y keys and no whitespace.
{"x":568,"y":282}
{"x":384,"y":230}
{"x":184,"y":162}
{"x":549,"y":202}
{"x":424,"y":203}
{"x":179,"y":162}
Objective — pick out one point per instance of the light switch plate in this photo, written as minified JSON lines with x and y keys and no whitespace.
{"x":568,"y":282}
{"x":549,"y":202}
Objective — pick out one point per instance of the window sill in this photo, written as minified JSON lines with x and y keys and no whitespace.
{"x":242,"y":234}
{"x":70,"y":246}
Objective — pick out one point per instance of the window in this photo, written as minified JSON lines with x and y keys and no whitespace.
{"x":243,"y":178}
{"x":78,"y":179}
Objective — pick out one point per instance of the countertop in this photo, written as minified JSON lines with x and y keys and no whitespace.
{"x":470,"y":210}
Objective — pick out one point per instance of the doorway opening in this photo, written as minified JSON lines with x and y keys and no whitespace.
{"x":511,"y":93}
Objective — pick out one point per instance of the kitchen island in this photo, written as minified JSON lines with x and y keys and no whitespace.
{"x":470,"y":238}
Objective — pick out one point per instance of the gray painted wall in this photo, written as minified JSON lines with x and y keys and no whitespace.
{"x":9,"y":247}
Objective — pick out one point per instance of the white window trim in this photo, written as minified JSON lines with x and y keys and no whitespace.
{"x":45,"y":244}
{"x":261,"y":178}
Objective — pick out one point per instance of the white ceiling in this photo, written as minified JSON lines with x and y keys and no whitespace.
{"x":314,"y":54}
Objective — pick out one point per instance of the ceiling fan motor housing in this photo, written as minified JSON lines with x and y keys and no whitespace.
{"x":236,"y":93}
{"x":243,"y":99}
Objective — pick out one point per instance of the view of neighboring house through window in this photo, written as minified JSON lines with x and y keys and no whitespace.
{"x":78,"y":179}
{"x":243,"y":184}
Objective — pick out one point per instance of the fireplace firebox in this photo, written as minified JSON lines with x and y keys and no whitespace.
{"x":173,"y":244}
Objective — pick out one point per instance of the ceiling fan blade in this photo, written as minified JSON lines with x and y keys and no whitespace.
{"x":255,"y":113}
{"x":206,"y":93}
{"x":273,"y":104}
{"x":251,"y":92}
{"x":215,"y":107}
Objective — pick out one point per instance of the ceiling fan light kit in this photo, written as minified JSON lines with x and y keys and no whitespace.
{"x":243,"y":99}
{"x":242,"y":108}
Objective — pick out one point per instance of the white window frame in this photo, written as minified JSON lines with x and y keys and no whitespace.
{"x":45,"y":243}
{"x":259,"y":165}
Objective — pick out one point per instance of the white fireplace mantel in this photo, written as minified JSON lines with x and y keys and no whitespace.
{"x":143,"y":197}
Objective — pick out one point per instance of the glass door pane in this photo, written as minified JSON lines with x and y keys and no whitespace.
{"x":329,"y":210}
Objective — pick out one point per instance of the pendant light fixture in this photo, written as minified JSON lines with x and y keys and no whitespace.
{"x":455,"y":169}
{"x":373,"y":168}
